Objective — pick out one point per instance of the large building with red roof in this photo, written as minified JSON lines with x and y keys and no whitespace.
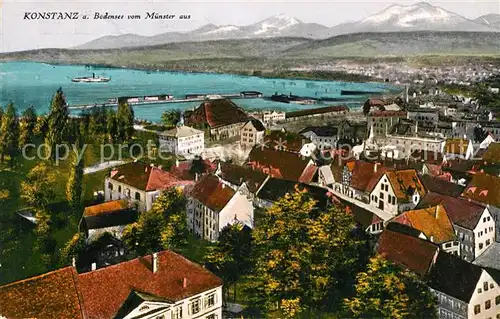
{"x":162,"y":285}
{"x":222,"y":118}
{"x":139,"y":183}
{"x":213,"y":204}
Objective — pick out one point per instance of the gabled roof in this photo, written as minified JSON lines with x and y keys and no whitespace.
{"x":216,"y":113}
{"x":407,"y":251}
{"x":453,"y":276}
{"x":238,"y":175}
{"x":365,"y":175}
{"x":456,"y":146}
{"x":106,"y":289}
{"x":440,"y":186}
{"x":404,"y":183}
{"x":51,"y":295}
{"x":105,"y":208}
{"x":323,"y":131}
{"x":257,"y":125}
{"x":181,"y":131}
{"x":211,"y":192}
{"x":136,"y":298}
{"x":426,"y":156}
{"x":433,"y":222}
{"x":484,"y":188}
{"x":109,"y":214}
{"x":144,"y":177}
{"x":285,"y":165}
{"x":460,"y":211}
{"x":182,"y":170}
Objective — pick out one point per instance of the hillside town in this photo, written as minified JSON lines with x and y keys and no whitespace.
{"x":407,"y":192}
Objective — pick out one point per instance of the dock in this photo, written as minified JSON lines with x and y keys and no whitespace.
{"x":149,"y":100}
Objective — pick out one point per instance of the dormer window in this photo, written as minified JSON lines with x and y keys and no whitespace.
{"x":144,"y":308}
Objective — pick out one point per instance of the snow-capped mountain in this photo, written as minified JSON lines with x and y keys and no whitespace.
{"x":396,"y":18}
{"x":417,"y":17}
{"x":491,"y":20}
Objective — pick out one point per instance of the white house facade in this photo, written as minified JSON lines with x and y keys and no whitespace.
{"x":183,"y":140}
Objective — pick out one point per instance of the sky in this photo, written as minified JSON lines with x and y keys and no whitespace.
{"x":18,"y":33}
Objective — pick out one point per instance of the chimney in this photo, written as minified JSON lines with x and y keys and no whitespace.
{"x":155,"y":263}
{"x":176,"y":163}
{"x":93,"y":266}
{"x":196,"y":177}
{"x":223,"y":185}
{"x":73,"y":262}
{"x":375,"y":167}
{"x":184,"y":283}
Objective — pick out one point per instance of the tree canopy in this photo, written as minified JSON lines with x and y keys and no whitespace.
{"x":9,"y":133}
{"x":385,"y":290}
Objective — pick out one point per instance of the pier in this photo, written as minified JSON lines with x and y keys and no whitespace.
{"x":165,"y":98}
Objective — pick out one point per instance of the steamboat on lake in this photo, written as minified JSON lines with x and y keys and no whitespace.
{"x":91,"y":79}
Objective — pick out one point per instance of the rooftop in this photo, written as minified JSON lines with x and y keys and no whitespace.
{"x":51,"y":295}
{"x":407,"y":251}
{"x":181,"y":131}
{"x":484,"y":188}
{"x":106,"y":289}
{"x":144,"y":177}
{"x":216,"y":113}
{"x":236,"y":175}
{"x":211,"y":192}
{"x":404,"y":183}
{"x":106,"y":208}
{"x":285,"y":165}
{"x":489,"y":258}
{"x":441,"y":186}
{"x":321,"y":110}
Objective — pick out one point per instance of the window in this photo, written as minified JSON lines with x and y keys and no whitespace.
{"x":110,"y":186}
{"x":491,"y":285}
{"x":447,"y":245}
{"x":137,"y":196}
{"x":497,"y":300}
{"x":477,"y":309}
{"x":487,"y":242}
{"x":210,"y":300}
{"x":160,"y":317}
{"x":480,"y":245}
{"x":177,"y":312}
{"x":119,"y":189}
{"x":479,"y":290}
{"x":212,"y":316}
{"x":485,"y":286}
{"x":487,"y":304}
{"x":194,"y":307}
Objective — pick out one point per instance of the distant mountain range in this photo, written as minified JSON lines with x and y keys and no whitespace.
{"x":396,"y":18}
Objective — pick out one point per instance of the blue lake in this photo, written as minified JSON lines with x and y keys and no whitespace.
{"x":31,"y":83}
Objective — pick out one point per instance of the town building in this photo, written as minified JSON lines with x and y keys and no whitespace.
{"x":458,"y":148}
{"x":221,"y":118}
{"x":269,"y":117}
{"x":139,"y":183}
{"x":323,"y":137}
{"x":474,"y":224}
{"x":397,"y":191}
{"x":212,"y":205}
{"x":183,"y":140}
{"x":383,"y":121}
{"x":316,"y":113}
{"x":284,"y":165}
{"x":109,"y":217}
{"x":235,"y":176}
{"x":425,"y":116}
{"x":162,"y":285}
{"x":464,"y":290}
{"x":252,"y":133}
{"x":435,"y":225}
{"x":406,"y":145}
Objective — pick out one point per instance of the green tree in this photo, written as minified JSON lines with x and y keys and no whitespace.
{"x":230,"y":257}
{"x":74,"y":186}
{"x":385,"y":290}
{"x":9,"y":134}
{"x":97,"y":128}
{"x":171,"y":117}
{"x":72,"y":249}
{"x":305,"y":258}
{"x":38,"y":189}
{"x":28,"y":124}
{"x":125,"y":121}
{"x":162,"y":227}
{"x":112,"y":126}
{"x":57,"y":122}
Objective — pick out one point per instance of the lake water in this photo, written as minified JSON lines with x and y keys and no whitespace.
{"x":31,"y":83}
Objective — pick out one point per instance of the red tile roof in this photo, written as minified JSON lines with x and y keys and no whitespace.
{"x":48,"y":296}
{"x":433,"y":222}
{"x":278,"y":164}
{"x":388,"y":114}
{"x":237,"y":175}
{"x":492,"y":154}
{"x":308,"y":174}
{"x":407,"y":251}
{"x":364,"y":175}
{"x":461,"y":212}
{"x":183,"y":170}
{"x":404,"y":182}
{"x":284,"y":141}
{"x":104,"y":290}
{"x":211,"y":192}
{"x":216,"y":113}
{"x":484,"y":188}
{"x":144,"y":177}
{"x":105,"y":208}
